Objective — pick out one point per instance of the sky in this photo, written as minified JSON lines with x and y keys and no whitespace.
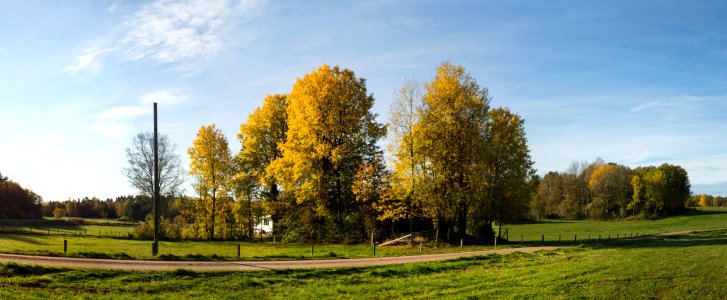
{"x":632,"y":82}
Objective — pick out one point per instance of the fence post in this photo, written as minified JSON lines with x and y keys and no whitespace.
{"x":238,"y":250}
{"x":495,"y":242}
{"x":542,"y":239}
{"x":461,"y":244}
{"x":312,"y":246}
{"x":599,"y":237}
{"x":65,"y":246}
{"x":559,"y":239}
{"x":617,"y":236}
{"x":420,"y":247}
{"x":521,"y":240}
{"x":373,"y":245}
{"x":575,"y":238}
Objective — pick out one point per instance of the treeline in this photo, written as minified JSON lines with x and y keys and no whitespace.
{"x":310,"y":158}
{"x":607,"y":191}
{"x":17,"y":202}
{"x":704,"y":200}
{"x":128,"y":208}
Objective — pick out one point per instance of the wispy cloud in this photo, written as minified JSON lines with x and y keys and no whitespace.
{"x":163,"y":97}
{"x":180,"y":34}
{"x":87,"y":62}
{"x":649,"y":105}
{"x":115,"y":121}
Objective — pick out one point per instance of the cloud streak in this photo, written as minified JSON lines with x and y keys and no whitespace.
{"x":114,"y":122}
{"x":87,"y":62}
{"x":180,"y":34}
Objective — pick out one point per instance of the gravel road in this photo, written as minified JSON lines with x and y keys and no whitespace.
{"x":152,"y":265}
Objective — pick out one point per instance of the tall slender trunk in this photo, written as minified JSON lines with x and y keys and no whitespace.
{"x":214,"y":210}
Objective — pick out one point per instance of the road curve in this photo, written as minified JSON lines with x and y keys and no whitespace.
{"x":157,"y":265}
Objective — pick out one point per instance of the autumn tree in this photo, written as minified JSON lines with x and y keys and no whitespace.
{"x":211,"y":166}
{"x":403,"y":199}
{"x":612,"y":191}
{"x":451,"y":130}
{"x":331,"y":131}
{"x":261,"y":135}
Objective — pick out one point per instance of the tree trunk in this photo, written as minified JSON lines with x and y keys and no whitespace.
{"x":214,"y":210}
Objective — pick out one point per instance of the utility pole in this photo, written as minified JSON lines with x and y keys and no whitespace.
{"x":155,"y":245}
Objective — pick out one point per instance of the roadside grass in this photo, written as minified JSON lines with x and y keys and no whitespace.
{"x":674,"y":267}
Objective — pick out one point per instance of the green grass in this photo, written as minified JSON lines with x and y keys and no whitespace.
{"x":687,"y":266}
{"x":40,"y":243}
{"x":81,"y":246}
{"x":96,"y":227}
{"x":703,"y":218}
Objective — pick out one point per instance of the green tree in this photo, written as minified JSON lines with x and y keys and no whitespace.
{"x":211,"y":166}
{"x":506,"y":169}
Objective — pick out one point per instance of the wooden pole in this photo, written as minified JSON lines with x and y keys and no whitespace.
{"x":155,"y":245}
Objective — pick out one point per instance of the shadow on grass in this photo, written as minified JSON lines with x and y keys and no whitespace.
{"x":706,"y":238}
{"x":24,"y":238}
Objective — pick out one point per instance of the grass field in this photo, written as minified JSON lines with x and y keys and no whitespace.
{"x":702,"y":218}
{"x":96,"y":227}
{"x":676,"y":267}
{"x":80,"y":246}
{"x":40,"y":243}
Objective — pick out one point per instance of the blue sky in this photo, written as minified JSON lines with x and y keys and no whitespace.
{"x":632,"y":82}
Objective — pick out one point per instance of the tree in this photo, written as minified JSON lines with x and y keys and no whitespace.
{"x":611,"y":188}
{"x":17,"y":202}
{"x":141,"y":166}
{"x":261,"y":136}
{"x":451,"y":131}
{"x":211,"y":166}
{"x":506,"y":169}
{"x":331,"y":131}
{"x":403,"y":200}
{"x":3,"y":178}
{"x":550,"y":195}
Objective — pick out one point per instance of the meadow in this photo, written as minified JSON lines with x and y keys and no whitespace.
{"x":84,"y":240}
{"x":674,"y":267}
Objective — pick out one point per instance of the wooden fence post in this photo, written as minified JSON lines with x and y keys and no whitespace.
{"x":65,"y":246}
{"x":238,"y":250}
{"x":542,"y":239}
{"x":373,"y":246}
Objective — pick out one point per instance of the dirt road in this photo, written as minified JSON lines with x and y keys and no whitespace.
{"x":149,"y":265}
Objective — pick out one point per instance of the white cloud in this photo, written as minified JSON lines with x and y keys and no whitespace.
{"x":181,"y":32}
{"x":122,"y":112}
{"x":88,"y":62}
{"x":114,"y":122}
{"x":162,"y":97}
